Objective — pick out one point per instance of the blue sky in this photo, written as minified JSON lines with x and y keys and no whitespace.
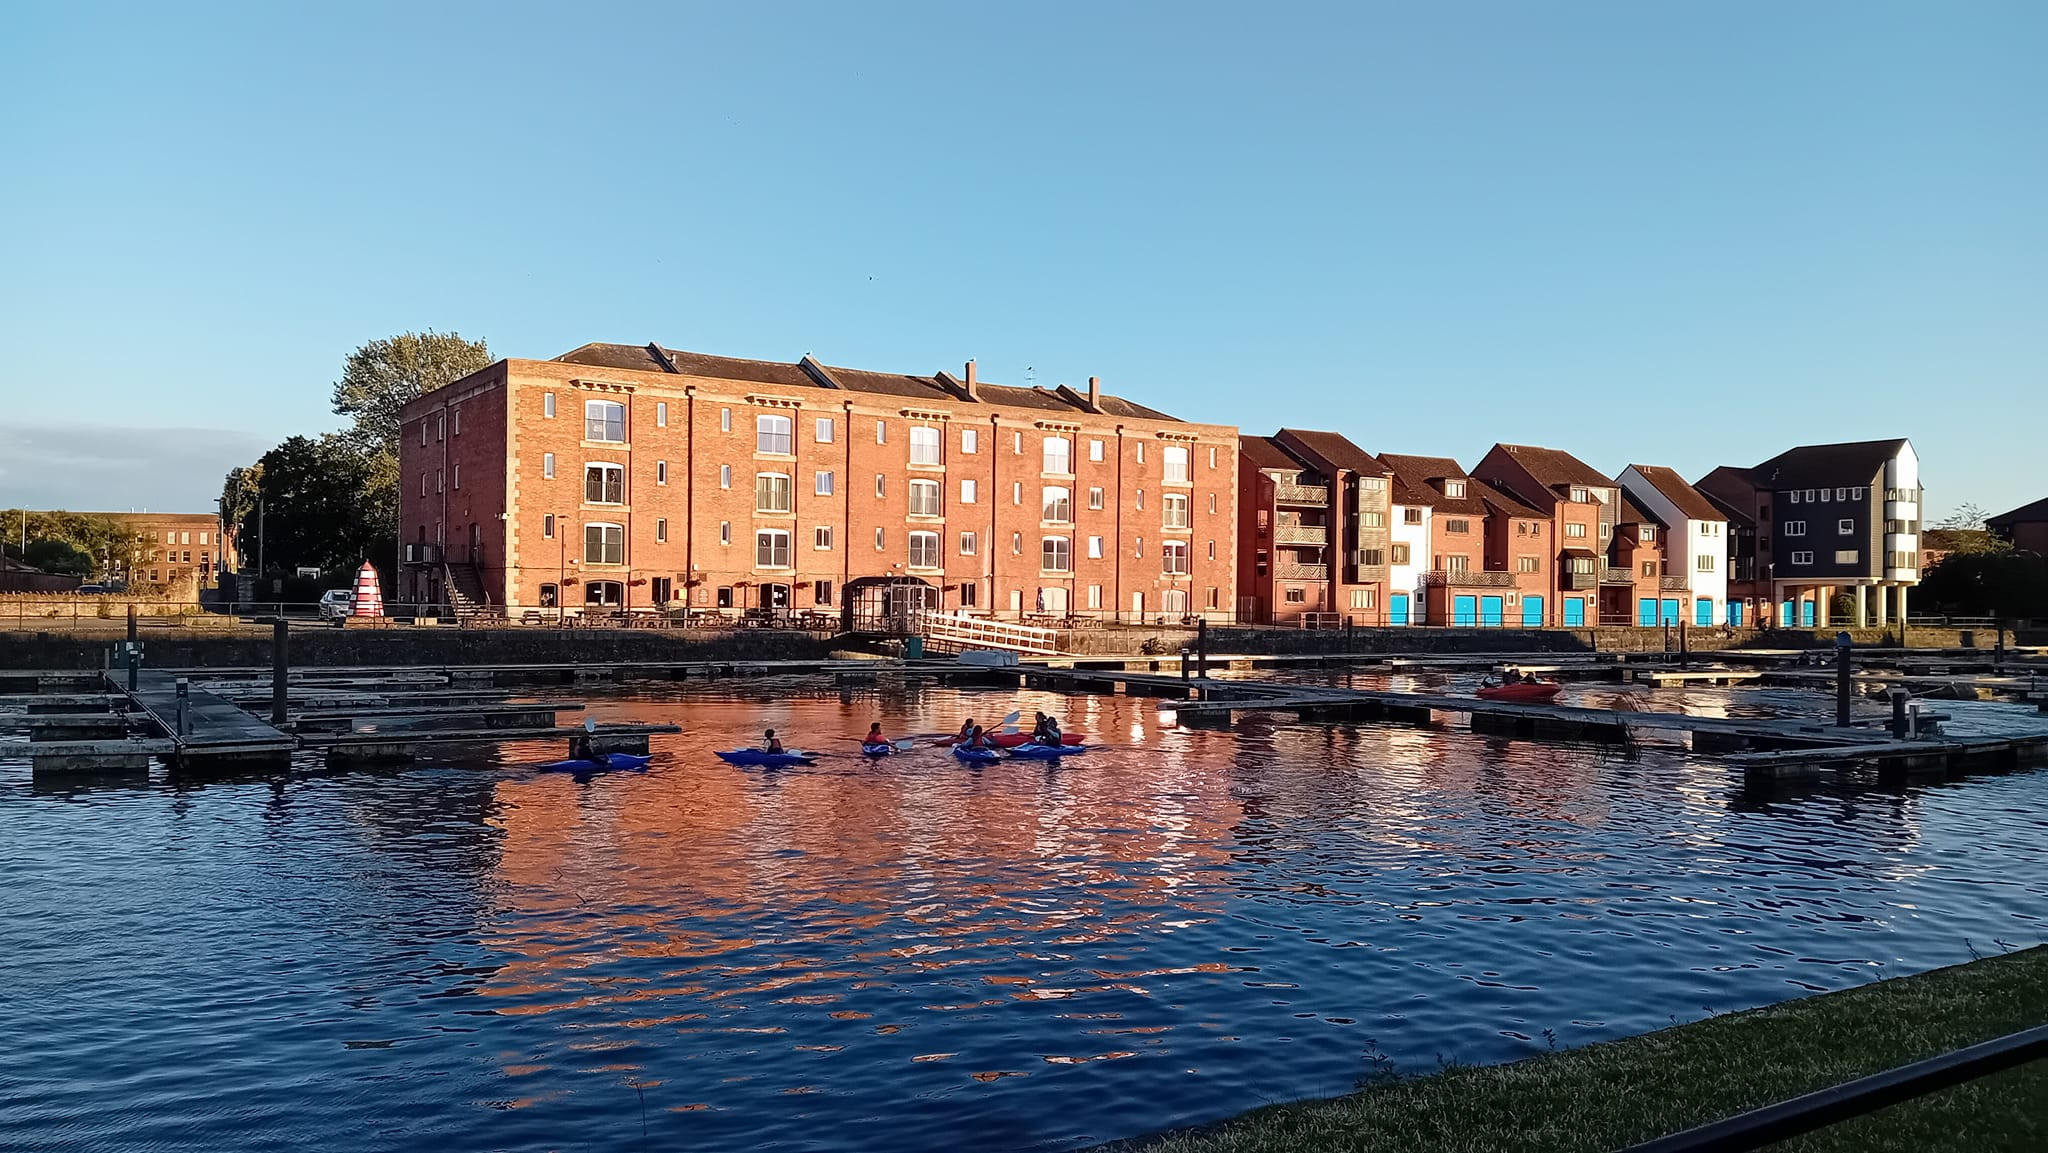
{"x":1673,"y":234}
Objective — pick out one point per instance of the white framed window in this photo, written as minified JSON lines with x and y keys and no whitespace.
{"x":774,"y":435}
{"x":604,"y":544}
{"x":661,"y":528}
{"x":661,"y":472}
{"x":1577,"y":530}
{"x":821,"y":538}
{"x":1792,"y":497}
{"x":966,"y":492}
{"x":1802,"y":558}
{"x":1173,"y":507}
{"x":924,"y":498}
{"x":423,"y":430}
{"x":1845,"y":528}
{"x":1454,"y":488}
{"x":1848,"y":555}
{"x":458,"y":421}
{"x":1017,"y":443}
{"x":881,"y":432}
{"x":1363,"y":598}
{"x":825,"y":430}
{"x":1016,"y":544}
{"x":1094,"y":548}
{"x":725,"y":476}
{"x":1704,"y":562}
{"x":1174,"y":459}
{"x":604,"y":420}
{"x":822,"y":483}
{"x":1173,"y":557}
{"x":725,"y":420}
{"x":1094,"y":596}
{"x":547,"y":409}
{"x":1810,"y":496}
{"x":1056,"y":554}
{"x":725,"y":532}
{"x":660,"y":414}
{"x":881,"y":486}
{"x":1212,"y":550}
{"x":924,"y":550}
{"x":1095,"y":498}
{"x":1138,"y":546}
{"x":1016,"y":492}
{"x":1138,"y":602}
{"x":441,"y":427}
{"x":774,"y":492}
{"x":1057,"y":505}
{"x":547,"y":465}
{"x":604,"y":483}
{"x":1212,"y":503}
{"x":1646,"y":532}
{"x":968,"y":544}
{"x":1795,"y":528}
{"x":970,"y":440}
{"x":1095,"y":450}
{"x":423,"y":484}
{"x":771,"y":548}
{"x":1059,"y":459}
{"x":547,"y":527}
{"x":1212,"y":456}
{"x":881,"y":541}
{"x":1141,"y":452}
{"x":924,"y":444}
{"x":1140,"y":500}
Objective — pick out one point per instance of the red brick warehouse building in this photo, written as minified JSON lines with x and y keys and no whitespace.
{"x":639,"y":477}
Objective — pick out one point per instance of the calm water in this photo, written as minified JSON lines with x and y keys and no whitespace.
{"x":914,"y":955}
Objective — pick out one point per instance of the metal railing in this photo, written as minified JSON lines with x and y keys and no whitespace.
{"x":1617,"y":575}
{"x":955,"y":632}
{"x":1674,"y":584}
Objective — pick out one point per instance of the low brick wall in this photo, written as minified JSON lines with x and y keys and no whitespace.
{"x":1113,"y":641}
{"x":27,"y":610}
{"x":329,"y":647}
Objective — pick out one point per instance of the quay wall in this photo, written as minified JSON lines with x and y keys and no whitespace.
{"x":314,"y":647}
{"x":1122,"y":641}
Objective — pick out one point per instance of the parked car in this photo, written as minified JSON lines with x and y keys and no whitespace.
{"x":336,"y":604}
{"x":95,"y":590}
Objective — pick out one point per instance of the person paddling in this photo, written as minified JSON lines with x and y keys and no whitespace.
{"x":977,"y":739}
{"x":967,"y":729}
{"x":1046,"y":731}
{"x":875,"y":736}
{"x":770,"y":744}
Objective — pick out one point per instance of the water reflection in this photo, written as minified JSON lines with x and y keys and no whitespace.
{"x":912,"y":954}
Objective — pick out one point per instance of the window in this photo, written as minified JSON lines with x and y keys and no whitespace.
{"x":423,"y":425}
{"x":725,"y":476}
{"x":1058,"y":458}
{"x":1057,"y":506}
{"x":547,"y":527}
{"x":725,"y":420}
{"x":725,"y":596}
{"x":1457,"y":525}
{"x":881,"y":432}
{"x":924,"y":550}
{"x":1094,"y":596}
{"x":825,"y":430}
{"x":1528,"y":564}
{"x":725,"y":532}
{"x":1795,"y":528}
{"x":661,"y":528}
{"x":1371,"y":519}
{"x":1095,"y":498}
{"x":603,"y":592}
{"x":774,"y":434}
{"x":604,"y":420}
{"x":1212,"y":502}
{"x":1016,"y":544}
{"x":458,"y":422}
{"x":1017,"y":444}
{"x":1579,"y":495}
{"x":1458,"y":563}
{"x":1294,"y":596}
{"x":1141,"y":499}
{"x":1141,"y":452}
{"x":660,"y":414}
{"x":1212,"y":464}
{"x":1845,"y":528}
{"x":1373,"y":483}
{"x":1705,"y":561}
{"x":1454,"y":488}
{"x":1646,"y":532}
{"x":1846,"y":556}
{"x":773,"y":492}
{"x":1372,"y":557}
{"x":1411,"y":516}
{"x":1809,"y":496}
{"x":1174,"y":509}
{"x":1792,"y":497}
{"x":1802,"y":558}
{"x":548,"y":595}
{"x":604,"y":544}
{"x":1175,"y":461}
{"x":1095,"y":450}
{"x":423,"y":484}
{"x":821,"y":538}
{"x":1906,"y":560}
{"x":771,"y":548}
{"x":661,"y":472}
{"x":970,"y":595}
{"x":1398,"y":554}
{"x":1575,"y":530}
{"x":1212,"y":550}
{"x":547,"y":409}
{"x":968,"y":544}
{"x":458,"y":485}
{"x":440,"y":480}
{"x":1363,"y":598}
{"x":970,"y":440}
{"x":822,"y":484}
{"x":823,"y":593}
{"x":1649,"y":567}
{"x":1138,"y":546}
{"x":924,"y":445}
{"x":1016,"y":492}
{"x":881,"y":541}
{"x":441,"y":427}
{"x":1056,"y":554}
{"x":881,"y":486}
{"x":547,"y":465}
{"x":1094,"y":548}
{"x":924,"y":498}
{"x":966,"y":492}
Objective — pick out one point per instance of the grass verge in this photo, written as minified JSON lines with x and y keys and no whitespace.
{"x":1609,"y":1095}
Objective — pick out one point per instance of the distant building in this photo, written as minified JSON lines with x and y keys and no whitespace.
{"x":1360,"y":511}
{"x":180,"y":553}
{"x":1456,"y":588}
{"x":1696,"y":541}
{"x":1582,"y":506}
{"x":1637,"y":588}
{"x":2026,"y":527}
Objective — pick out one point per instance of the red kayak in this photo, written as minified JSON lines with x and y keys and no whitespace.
{"x":1534,"y":694}
{"x":1012,"y":740}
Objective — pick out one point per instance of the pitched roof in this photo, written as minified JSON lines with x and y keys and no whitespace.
{"x":1417,"y":473}
{"x":1854,"y":462}
{"x":2025,"y":514}
{"x":1689,"y":501}
{"x":1553,"y":467}
{"x":1336,"y":448}
{"x":1734,"y":516}
{"x":1633,"y":513}
{"x":1502,"y":501}
{"x":1265,"y":452}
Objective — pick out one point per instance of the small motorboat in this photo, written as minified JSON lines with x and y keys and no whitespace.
{"x":1033,"y":751}
{"x":876,"y":748}
{"x":608,"y":761}
{"x":976,"y":756}
{"x":1012,"y":740}
{"x":1527,"y":694}
{"x":757,"y":758}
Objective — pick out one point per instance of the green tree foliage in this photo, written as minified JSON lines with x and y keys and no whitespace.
{"x":1969,"y":516}
{"x":238,"y":498}
{"x":382,"y":376}
{"x":113,"y":548}
{"x":312,"y":511}
{"x":60,"y":557}
{"x":2006,"y":584}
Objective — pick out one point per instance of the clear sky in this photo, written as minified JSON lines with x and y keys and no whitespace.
{"x":1679,"y":234}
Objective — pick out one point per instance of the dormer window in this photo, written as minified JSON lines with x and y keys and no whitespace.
{"x":1454,"y":488}
{"x":1579,"y":495}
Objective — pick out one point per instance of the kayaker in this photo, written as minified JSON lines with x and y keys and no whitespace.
{"x":579,"y":748}
{"x":875,"y":736}
{"x":1046,"y":731}
{"x":1530,"y":679}
{"x":770,"y":744}
{"x":967,"y":729}
{"x":976,"y":739}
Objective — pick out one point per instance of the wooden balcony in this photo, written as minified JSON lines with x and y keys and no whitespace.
{"x":1312,"y":495}
{"x":1673,"y":584}
{"x":1301,"y":534}
{"x":1469,"y":579}
{"x":1302,"y":572}
{"x":1578,"y":581}
{"x":1616,"y":575}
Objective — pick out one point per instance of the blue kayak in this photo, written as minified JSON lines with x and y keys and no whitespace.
{"x":976,"y":756}
{"x":878,"y":749}
{"x":765,"y":760}
{"x":1038,"y":752}
{"x":599,"y":764}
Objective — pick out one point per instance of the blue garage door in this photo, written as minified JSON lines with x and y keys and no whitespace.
{"x":1646,"y":612}
{"x":1397,"y":609}
{"x":1703,"y":612}
{"x":1532,"y":612}
{"x":1735,"y":614}
{"x":1785,"y":614}
{"x":1492,"y":611}
{"x":1465,"y":611}
{"x":1574,"y":613}
{"x":1806,"y":614}
{"x":1670,"y":616}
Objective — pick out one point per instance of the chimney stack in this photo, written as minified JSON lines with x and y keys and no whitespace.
{"x":1095,"y":393}
{"x":973,"y":391}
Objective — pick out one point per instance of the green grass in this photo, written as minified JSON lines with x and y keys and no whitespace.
{"x":1606,"y":1096}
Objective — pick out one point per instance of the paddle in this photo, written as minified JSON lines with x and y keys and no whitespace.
{"x":1010,"y":722}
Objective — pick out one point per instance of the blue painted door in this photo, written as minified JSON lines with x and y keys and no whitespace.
{"x":1532,"y":612}
{"x":1646,"y":612}
{"x":1465,"y":611}
{"x":1785,"y":614}
{"x":1703,"y":612}
{"x":1574,"y":612}
{"x":1735,"y":614}
{"x":1670,"y":615}
{"x":1397,"y":609}
{"x":1492,"y":611}
{"x":1806,"y":614}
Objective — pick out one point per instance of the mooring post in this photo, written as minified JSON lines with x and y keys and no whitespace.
{"x":1183,"y":662}
{"x":1998,"y":646}
{"x":184,"y":727}
{"x":1684,"y":646}
{"x":1899,"y":713}
{"x":1202,"y":648}
{"x":1843,"y":679}
{"x":280,"y":668}
{"x":133,"y":654}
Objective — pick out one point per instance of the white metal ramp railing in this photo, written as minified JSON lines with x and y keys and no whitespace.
{"x":954,"y":632}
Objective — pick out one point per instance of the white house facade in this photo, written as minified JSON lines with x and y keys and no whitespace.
{"x":1696,"y":536}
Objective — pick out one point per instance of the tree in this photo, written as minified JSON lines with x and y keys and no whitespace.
{"x":382,"y":376}
{"x":238,"y":501}
{"x":1968,"y":517}
{"x":112,"y":547}
{"x":60,"y":557}
{"x":312,"y":511}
